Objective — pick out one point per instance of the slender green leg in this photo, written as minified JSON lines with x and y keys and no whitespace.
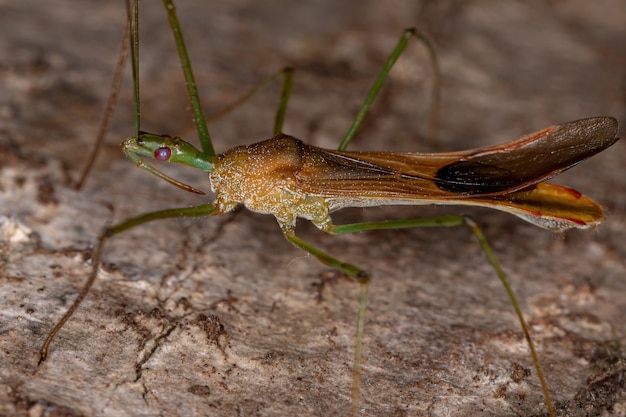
{"x":285,"y":93}
{"x":287,"y":74}
{"x":384,"y":73}
{"x":201,"y":124}
{"x":133,"y":23}
{"x":192,"y":89}
{"x":450,"y":221}
{"x":361,"y":276}
{"x":197,"y":211}
{"x":325,"y":258}
{"x":518,"y":311}
{"x":439,"y":221}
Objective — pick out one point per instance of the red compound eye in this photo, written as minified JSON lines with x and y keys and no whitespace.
{"x":162,"y":154}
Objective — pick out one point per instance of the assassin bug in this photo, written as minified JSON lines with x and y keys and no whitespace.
{"x":286,"y":178}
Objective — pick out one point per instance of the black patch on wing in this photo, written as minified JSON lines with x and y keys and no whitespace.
{"x":475,"y":177}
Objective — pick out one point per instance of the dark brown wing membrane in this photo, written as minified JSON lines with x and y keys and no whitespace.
{"x":480,"y":172}
{"x":541,"y":157}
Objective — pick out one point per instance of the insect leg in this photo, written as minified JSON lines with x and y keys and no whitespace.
{"x":287,"y":73}
{"x":203,"y":131}
{"x":196,"y":211}
{"x":192,"y":89}
{"x":325,"y":258}
{"x":518,"y":311}
{"x":382,"y":76}
{"x":363,"y":279}
{"x":450,"y":221}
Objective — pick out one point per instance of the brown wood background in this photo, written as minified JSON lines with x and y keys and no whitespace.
{"x":441,"y":338}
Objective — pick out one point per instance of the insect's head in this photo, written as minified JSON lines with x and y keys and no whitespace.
{"x":166,"y":149}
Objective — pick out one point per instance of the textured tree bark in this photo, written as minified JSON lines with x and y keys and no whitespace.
{"x":441,"y":337}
